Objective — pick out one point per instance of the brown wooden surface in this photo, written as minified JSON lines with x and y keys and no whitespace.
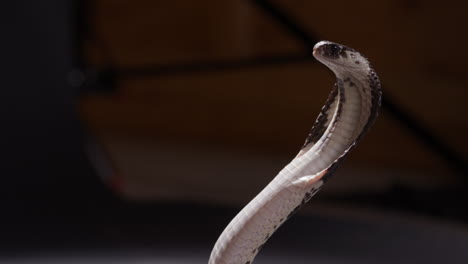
{"x":416,"y":47}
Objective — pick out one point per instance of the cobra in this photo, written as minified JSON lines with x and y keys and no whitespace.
{"x":347,"y":115}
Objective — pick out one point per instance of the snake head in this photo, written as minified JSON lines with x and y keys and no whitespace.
{"x":338,"y":57}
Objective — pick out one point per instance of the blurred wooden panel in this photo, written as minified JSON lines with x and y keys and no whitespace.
{"x":154,"y":32}
{"x":414,"y":46}
{"x":264,"y":109}
{"x":275,"y":115}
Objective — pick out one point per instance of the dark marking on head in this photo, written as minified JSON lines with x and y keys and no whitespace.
{"x":357,"y":62}
{"x":331,"y":51}
{"x":351,"y":84}
{"x":248,"y":262}
{"x":335,"y":51}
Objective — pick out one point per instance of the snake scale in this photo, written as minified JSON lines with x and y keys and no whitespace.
{"x":347,"y":115}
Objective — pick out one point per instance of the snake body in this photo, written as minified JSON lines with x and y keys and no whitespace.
{"x":347,"y":115}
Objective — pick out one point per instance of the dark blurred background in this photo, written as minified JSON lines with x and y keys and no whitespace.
{"x":146,"y":125}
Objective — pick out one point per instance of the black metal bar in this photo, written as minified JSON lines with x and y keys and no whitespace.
{"x":219,"y":65}
{"x":288,"y":23}
{"x":425,"y":135}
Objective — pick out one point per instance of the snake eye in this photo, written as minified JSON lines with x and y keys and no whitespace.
{"x":332,"y":51}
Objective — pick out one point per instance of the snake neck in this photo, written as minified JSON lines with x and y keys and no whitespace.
{"x":341,"y":122}
{"x":346,"y":116}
